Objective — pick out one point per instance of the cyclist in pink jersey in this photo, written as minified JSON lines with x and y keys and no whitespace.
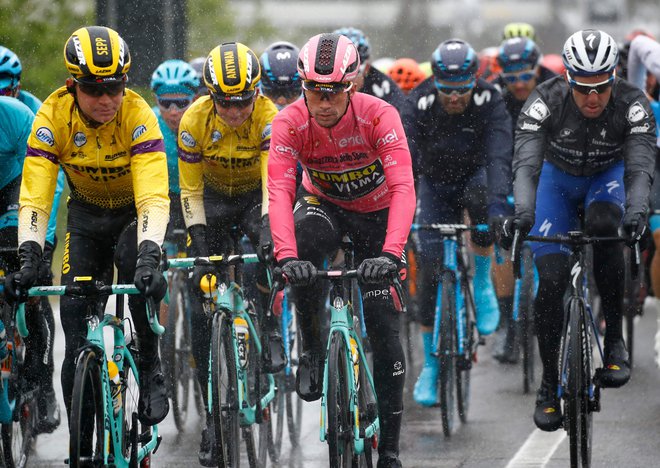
{"x":358,"y":181}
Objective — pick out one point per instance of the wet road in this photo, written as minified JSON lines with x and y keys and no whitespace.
{"x":500,"y":431}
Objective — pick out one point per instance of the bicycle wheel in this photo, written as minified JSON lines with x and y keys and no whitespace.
{"x":464,"y":361}
{"x":177,"y":351}
{"x":130,"y":394}
{"x":631,"y":306}
{"x":368,"y":412}
{"x":278,"y":416}
{"x":18,"y":436}
{"x":447,"y":354}
{"x":339,"y":431}
{"x":86,"y":440}
{"x":578,"y":411}
{"x":294,"y":404}
{"x":526,"y":295}
{"x":259,"y":436}
{"x":224,"y":393}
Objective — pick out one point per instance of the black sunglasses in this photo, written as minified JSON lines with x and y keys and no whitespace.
{"x":227,"y":104}
{"x":588,"y":88}
{"x":179,"y":103}
{"x":97,"y":90}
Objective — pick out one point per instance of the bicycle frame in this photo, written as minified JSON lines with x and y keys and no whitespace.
{"x":230,"y":303}
{"x":343,"y":321}
{"x":121,"y":355}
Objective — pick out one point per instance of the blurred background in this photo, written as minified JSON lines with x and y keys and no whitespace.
{"x":161,"y":29}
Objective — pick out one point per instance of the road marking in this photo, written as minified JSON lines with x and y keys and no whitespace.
{"x":537,"y":449}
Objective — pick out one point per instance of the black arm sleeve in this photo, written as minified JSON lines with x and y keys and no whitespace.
{"x":498,"y":144}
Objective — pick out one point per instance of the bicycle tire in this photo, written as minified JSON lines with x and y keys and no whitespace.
{"x":464,"y":368}
{"x":259,"y":435}
{"x":526,"y":319}
{"x":278,"y":415}
{"x":130,"y":395}
{"x":577,"y":405}
{"x":294,"y":405}
{"x":224,"y":393}
{"x":447,"y":357}
{"x":337,"y":404}
{"x":19,"y":436}
{"x":86,"y":423}
{"x":368,"y":413}
{"x":176,"y":352}
{"x":631,"y":306}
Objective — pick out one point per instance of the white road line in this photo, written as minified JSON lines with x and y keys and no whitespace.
{"x":537,"y":449}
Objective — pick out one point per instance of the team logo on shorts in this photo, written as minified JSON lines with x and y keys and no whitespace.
{"x":79,"y":139}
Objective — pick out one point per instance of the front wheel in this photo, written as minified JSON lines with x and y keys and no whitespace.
{"x":463,"y":361}
{"x":86,"y":439}
{"x":339,"y":433}
{"x":224,"y":393}
{"x":526,"y":296}
{"x":447,"y":353}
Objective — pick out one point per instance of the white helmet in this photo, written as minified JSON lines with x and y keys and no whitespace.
{"x":590,"y":52}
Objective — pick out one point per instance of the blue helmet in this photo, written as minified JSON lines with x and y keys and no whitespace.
{"x":360,"y":40}
{"x":279,"y":69}
{"x":518,"y":53}
{"x":174,"y":76}
{"x":454,"y":60}
{"x":10,"y":69}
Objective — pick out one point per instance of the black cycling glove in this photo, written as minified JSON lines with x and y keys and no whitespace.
{"x":29,"y":254}
{"x":265,"y":247}
{"x":148,"y":277}
{"x":298,"y":272}
{"x":377,"y":270}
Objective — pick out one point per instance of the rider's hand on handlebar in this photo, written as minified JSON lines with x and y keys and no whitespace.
{"x":523,"y":224}
{"x":377,"y":270}
{"x":265,"y":247}
{"x":634,"y":225}
{"x":29,"y":254}
{"x":298,"y":272}
{"x":202,"y":268}
{"x":148,"y":278}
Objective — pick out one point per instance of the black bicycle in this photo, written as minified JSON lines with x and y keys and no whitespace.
{"x":578,"y":380}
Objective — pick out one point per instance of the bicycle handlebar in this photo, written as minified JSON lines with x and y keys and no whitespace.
{"x":216,"y":260}
{"x":279,"y":281}
{"x":449,"y":229}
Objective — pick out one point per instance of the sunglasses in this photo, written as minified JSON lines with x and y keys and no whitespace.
{"x":228,"y":103}
{"x":287,"y":94}
{"x":448,"y":90}
{"x":178,"y":103}
{"x":513,"y":78}
{"x":588,"y":88}
{"x":336,"y":88}
{"x":97,"y":90}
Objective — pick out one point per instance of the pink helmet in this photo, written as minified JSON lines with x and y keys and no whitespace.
{"x":329,"y":58}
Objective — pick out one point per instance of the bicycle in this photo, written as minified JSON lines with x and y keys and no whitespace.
{"x":455,"y":335}
{"x":349,"y":411}
{"x":578,"y":380}
{"x":19,"y":412}
{"x":176,"y":347}
{"x":103,"y":424}
{"x":239,"y":395}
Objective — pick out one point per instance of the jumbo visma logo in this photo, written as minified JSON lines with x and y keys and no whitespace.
{"x":66,"y":267}
{"x":351,"y":184}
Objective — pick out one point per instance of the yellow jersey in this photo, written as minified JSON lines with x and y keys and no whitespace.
{"x":112,"y":165}
{"x":230,"y":161}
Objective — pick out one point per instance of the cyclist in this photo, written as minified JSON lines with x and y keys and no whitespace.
{"x":519,"y":30}
{"x":357,"y":180}
{"x":198,"y":64}
{"x":406,"y":73}
{"x":460,"y":137}
{"x":107,"y":140}
{"x":371,"y":80}
{"x":175,"y":84}
{"x":223,"y":155}
{"x":519,"y":59}
{"x":644,"y":72}
{"x":280,"y":81}
{"x":44,"y":334}
{"x":578,"y":138}
{"x":489,"y":68}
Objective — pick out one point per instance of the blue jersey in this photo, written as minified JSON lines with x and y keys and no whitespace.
{"x":15,"y":125}
{"x":169,"y":137}
{"x":29,"y":100}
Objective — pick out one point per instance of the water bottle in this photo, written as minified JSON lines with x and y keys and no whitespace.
{"x":115,"y":386}
{"x":242,"y":332}
{"x":355,"y":357}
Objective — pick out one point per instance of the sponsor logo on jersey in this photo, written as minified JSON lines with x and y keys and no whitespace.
{"x":79,"y":139}
{"x":636,"y":112}
{"x":139,"y":130}
{"x":188,"y":139}
{"x":216,"y":136}
{"x":285,"y":150}
{"x":44,"y":134}
{"x":348,"y":185}
{"x":350,"y":141}
{"x":265,"y":135}
{"x":641,"y":128}
{"x":564,"y":132}
{"x":389,"y":137}
{"x":538,"y":110}
{"x":112,"y":157}
{"x":530,"y":126}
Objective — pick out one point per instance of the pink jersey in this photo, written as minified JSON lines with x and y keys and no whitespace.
{"x":362,"y":164}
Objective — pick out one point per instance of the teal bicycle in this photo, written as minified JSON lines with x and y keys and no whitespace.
{"x":103,"y":425}
{"x":349,"y":410}
{"x":239,"y":394}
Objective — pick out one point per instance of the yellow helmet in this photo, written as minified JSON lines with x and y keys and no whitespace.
{"x":97,"y":54}
{"x":231,"y":72}
{"x":519,"y":30}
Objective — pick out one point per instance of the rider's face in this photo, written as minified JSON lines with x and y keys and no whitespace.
{"x":591,"y":103}
{"x":325,"y":107}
